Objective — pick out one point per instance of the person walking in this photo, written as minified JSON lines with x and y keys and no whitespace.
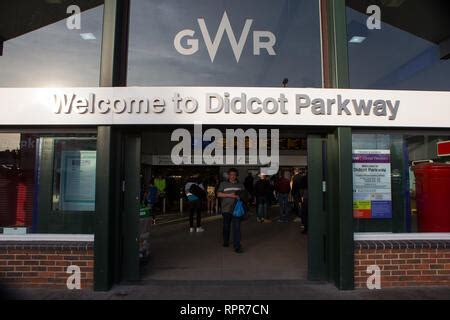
{"x":211,"y":195}
{"x":282,"y":188}
{"x":249,"y":184}
{"x":228,"y":192}
{"x":304,"y":202}
{"x":152,"y":195}
{"x":296,"y":194}
{"x":195,"y":193}
{"x":263,"y":196}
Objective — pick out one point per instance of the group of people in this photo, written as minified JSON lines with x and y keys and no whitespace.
{"x":265,"y":191}
{"x":228,"y":192}
{"x":260,"y":191}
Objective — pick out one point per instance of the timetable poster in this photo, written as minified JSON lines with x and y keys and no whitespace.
{"x":372,"y":193}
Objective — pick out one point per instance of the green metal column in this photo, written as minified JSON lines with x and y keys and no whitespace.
{"x":103,"y":249}
{"x":130,"y":217}
{"x":339,"y":149}
{"x":345,"y":209}
{"x":317,"y":215}
{"x":334,"y":43}
{"x":113,"y":66}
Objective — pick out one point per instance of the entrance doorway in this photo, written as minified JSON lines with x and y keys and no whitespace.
{"x":272,"y":251}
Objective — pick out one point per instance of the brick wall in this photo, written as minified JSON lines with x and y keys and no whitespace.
{"x":26,"y":264}
{"x":404,"y":263}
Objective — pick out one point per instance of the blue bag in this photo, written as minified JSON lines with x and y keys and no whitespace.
{"x":239,"y":210}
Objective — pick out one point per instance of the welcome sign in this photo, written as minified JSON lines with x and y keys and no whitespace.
{"x":224,"y":106}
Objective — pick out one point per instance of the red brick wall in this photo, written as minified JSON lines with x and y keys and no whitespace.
{"x":404,"y":263}
{"x":45,"y":264}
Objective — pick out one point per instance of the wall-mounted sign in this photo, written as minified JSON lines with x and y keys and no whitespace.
{"x":224,"y":106}
{"x":372,"y":194}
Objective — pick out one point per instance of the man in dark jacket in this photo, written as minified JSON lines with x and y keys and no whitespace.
{"x":296,"y":194}
{"x":263,"y":195}
{"x":304,"y":202}
{"x":282,"y":188}
{"x":248,"y":184}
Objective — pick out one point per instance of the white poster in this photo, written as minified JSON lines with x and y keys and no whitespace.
{"x":78,"y":180}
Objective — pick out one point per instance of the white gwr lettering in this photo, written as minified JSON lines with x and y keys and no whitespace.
{"x":261,"y":39}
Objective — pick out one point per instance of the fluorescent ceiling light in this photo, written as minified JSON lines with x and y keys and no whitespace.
{"x":357,"y":39}
{"x":87,"y":36}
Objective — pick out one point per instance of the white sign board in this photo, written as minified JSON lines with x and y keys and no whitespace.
{"x":220,"y":105}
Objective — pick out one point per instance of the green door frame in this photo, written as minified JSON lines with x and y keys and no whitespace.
{"x":339,"y":149}
{"x":113,"y":73}
{"x":131,"y":185}
{"x":317,"y":209}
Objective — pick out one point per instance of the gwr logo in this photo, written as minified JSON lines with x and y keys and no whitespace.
{"x":261,"y":39}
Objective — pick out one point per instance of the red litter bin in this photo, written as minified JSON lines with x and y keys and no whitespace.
{"x":433,"y":197}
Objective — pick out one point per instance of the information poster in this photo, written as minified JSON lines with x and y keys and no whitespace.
{"x":78,"y":180}
{"x":372,"y":194}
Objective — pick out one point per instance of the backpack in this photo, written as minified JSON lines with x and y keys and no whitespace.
{"x":197,"y":191}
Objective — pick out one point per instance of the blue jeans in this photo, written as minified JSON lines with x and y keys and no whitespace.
{"x":261,"y":207}
{"x":230,"y":221}
{"x":283,"y":201}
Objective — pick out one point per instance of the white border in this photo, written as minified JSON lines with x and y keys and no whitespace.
{"x":379,"y":236}
{"x":48,"y":237}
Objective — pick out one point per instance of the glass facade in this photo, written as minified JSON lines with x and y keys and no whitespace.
{"x":225,"y":43}
{"x":47,"y":182}
{"x":48,"y":177}
{"x":405,"y":53}
{"x":390,"y":193}
{"x":51,"y":48}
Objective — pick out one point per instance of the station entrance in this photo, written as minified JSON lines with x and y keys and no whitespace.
{"x":159,"y":244}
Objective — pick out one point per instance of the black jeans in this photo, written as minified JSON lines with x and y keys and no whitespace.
{"x":195,"y":208}
{"x":304,"y":213}
{"x":230,"y":221}
{"x":296,"y":197}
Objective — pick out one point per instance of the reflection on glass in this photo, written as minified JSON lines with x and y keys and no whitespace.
{"x":74,"y":174}
{"x":404,"y":54}
{"x":154,"y":59}
{"x":45,"y":53}
{"x":47,"y":183}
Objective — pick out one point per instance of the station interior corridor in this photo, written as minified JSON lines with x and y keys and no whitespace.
{"x":272,"y":251}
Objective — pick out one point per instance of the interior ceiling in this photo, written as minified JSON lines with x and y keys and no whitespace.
{"x":18,"y":17}
{"x":429,"y":20}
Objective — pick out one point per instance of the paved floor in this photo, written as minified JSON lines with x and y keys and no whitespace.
{"x":272,"y":251}
{"x":235,"y":290}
